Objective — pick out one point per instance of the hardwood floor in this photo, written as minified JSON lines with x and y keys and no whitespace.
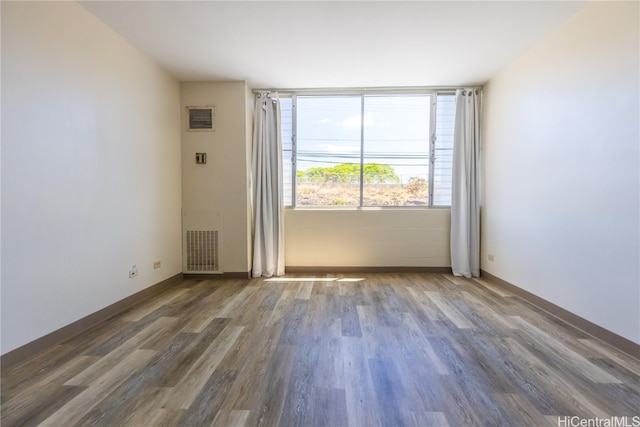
{"x":355,"y":350}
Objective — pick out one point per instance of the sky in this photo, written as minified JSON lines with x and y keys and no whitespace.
{"x":396,"y":132}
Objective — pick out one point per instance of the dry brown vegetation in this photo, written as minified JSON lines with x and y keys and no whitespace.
{"x":333,"y":194}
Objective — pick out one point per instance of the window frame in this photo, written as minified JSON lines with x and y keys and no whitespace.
{"x":362,"y":93}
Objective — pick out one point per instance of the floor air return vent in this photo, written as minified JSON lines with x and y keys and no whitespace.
{"x":201,"y":242}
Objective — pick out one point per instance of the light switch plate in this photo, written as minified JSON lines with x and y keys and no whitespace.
{"x":201,"y":158}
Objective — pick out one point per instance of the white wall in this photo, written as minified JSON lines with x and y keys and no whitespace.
{"x":222,"y":184}
{"x":561,"y":149}
{"x":90,"y":169}
{"x":367,"y":237}
{"x":249,"y":116}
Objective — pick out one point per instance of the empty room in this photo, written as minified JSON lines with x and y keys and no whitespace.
{"x":320,"y":213}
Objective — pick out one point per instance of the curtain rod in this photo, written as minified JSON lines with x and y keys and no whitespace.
{"x":369,"y":89}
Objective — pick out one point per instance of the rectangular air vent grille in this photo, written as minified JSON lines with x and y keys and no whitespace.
{"x":200,"y":118}
{"x":202,"y":251}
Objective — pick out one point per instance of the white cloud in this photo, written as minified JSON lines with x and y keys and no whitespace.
{"x":343,"y":149}
{"x":353,"y":122}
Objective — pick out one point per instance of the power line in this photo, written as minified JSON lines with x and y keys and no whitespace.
{"x":366,"y":140}
{"x":405,"y":155}
{"x":328,"y":162}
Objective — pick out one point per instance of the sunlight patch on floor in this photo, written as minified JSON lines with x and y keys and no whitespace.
{"x":313,"y":279}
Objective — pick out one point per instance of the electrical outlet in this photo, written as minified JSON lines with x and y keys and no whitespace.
{"x":156,"y":265}
{"x":490,"y":257}
{"x":133,"y":272}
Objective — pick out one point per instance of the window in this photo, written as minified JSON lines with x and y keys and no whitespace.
{"x":366,"y":150}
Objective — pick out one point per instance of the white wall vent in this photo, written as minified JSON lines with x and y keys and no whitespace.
{"x":200,"y":118}
{"x":201,"y":242}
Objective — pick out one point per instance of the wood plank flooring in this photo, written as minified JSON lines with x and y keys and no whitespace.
{"x":342,"y":350}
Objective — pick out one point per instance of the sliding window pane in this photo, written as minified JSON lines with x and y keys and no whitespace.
{"x":328,"y":150}
{"x":286,"y":133}
{"x":396,"y":150}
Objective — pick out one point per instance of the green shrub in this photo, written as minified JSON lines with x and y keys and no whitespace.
{"x":349,"y":173}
